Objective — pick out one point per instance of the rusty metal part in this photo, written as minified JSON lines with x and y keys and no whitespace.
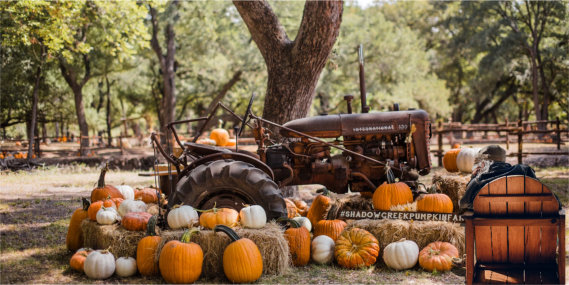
{"x":289,"y":179}
{"x":202,"y":128}
{"x":365,"y":107}
{"x":229,"y":155}
{"x":169,"y":157}
{"x":349,"y":99}
{"x":362,"y":176}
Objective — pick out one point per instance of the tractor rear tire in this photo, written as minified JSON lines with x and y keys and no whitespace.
{"x":229,"y":184}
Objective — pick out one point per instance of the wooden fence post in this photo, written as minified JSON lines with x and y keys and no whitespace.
{"x":507,"y":136}
{"x":558,"y":131}
{"x":440,"y":138}
{"x":520,"y":142}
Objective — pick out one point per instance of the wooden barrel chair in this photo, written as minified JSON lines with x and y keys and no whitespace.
{"x":515,"y":234}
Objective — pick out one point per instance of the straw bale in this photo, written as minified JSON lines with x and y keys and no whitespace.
{"x":115,"y":238}
{"x":451,"y":184}
{"x":270,"y":240}
{"x":348,"y":202}
{"x":421,"y":232}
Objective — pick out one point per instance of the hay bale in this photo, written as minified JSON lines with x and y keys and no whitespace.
{"x":349,"y":202}
{"x":115,"y":238}
{"x":421,"y":232}
{"x":451,"y":184}
{"x":270,"y":240}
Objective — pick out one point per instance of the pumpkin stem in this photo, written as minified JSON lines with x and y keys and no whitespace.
{"x":389,"y":174}
{"x":101,"y":182}
{"x":228,"y":231}
{"x":214,"y":209}
{"x":187,"y":236}
{"x":151,"y":227}
{"x":293,"y":223}
{"x":324,"y":191}
{"x":86,"y":204}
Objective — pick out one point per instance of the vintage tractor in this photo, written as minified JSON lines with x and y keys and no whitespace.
{"x":341,"y":152}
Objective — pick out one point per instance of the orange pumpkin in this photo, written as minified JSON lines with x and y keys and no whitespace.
{"x":147,"y":195}
{"x":455,"y":145}
{"x":181,"y":261}
{"x":74,"y":238}
{"x":103,"y":191}
{"x":219,"y":216}
{"x":78,"y":260}
{"x":301,"y":206}
{"x":356,"y":248}
{"x":96,"y":206}
{"x":135,"y":221}
{"x":331,"y":228}
{"x":391,"y":193}
{"x":435,"y":203}
{"x":291,"y":209}
{"x":298,"y":239}
{"x":117,"y":201}
{"x":437,"y":255}
{"x":220,"y":136}
{"x":242,"y":261}
{"x":449,"y":160}
{"x":146,"y":250}
{"x":319,"y":207}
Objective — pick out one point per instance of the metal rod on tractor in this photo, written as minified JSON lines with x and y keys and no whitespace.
{"x":365,"y":107}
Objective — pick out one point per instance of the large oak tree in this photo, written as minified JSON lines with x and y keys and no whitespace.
{"x":294,"y":66}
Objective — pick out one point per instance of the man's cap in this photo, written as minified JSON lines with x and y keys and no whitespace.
{"x":493,"y":152}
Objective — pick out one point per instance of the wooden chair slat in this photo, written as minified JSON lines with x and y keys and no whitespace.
{"x":483,"y":243}
{"x":532,"y":244}
{"x":515,"y":277}
{"x":516,"y":245}
{"x":498,"y":208}
{"x":516,"y":208}
{"x":533,"y":186}
{"x":548,"y":244}
{"x":499,"y":244}
{"x":498,"y":187}
{"x":481,"y":206}
{"x":533,"y":207}
{"x":533,"y":276}
{"x":550,"y":207}
{"x":516,"y":185}
{"x":484,"y":190}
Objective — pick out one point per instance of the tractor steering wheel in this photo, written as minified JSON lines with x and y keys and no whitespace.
{"x":244,"y":122}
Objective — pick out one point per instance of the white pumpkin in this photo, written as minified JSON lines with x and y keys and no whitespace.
{"x":125,"y":266}
{"x":182,"y":217}
{"x":465,"y":159}
{"x":128,"y":206}
{"x":323,"y":249}
{"x":126,"y":191}
{"x":100,"y":264}
{"x":304,"y":222}
{"x":253,"y":217}
{"x":401,"y":254}
{"x":107,"y":216}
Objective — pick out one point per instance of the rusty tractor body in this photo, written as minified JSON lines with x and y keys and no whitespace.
{"x":340,"y":151}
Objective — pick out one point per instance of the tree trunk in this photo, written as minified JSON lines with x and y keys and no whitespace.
{"x":293,"y":66}
{"x":82,"y":122}
{"x":33,"y":121}
{"x":109,"y":135}
{"x":44,"y":132}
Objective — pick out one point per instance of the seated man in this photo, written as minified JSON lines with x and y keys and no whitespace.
{"x":490,"y":164}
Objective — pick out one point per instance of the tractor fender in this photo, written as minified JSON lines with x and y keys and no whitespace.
{"x":229,"y":156}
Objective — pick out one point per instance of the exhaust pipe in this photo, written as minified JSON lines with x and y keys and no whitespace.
{"x":365,"y":107}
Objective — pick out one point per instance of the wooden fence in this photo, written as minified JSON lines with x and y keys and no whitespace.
{"x":555,"y":132}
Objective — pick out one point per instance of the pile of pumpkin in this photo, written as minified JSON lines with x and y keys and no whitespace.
{"x":460,"y":159}
{"x":354,"y":247}
{"x":218,"y":137}
{"x":16,"y":155}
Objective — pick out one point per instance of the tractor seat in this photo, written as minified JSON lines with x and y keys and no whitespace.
{"x":203,"y":150}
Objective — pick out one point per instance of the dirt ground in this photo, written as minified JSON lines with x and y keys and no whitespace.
{"x":35,"y":208}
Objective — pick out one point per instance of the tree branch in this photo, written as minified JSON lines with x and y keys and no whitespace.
{"x":154,"y":40}
{"x":264,"y":26}
{"x":319,"y":28}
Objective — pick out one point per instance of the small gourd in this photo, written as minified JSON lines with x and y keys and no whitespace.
{"x":99,"y":264}
{"x":253,"y":217}
{"x":219,"y":216}
{"x":107,"y":216}
{"x":304,"y":222}
{"x":125,"y":266}
{"x":182,"y":217}
{"x":322,"y":249}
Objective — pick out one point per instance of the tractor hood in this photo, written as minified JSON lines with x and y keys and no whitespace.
{"x":333,"y":126}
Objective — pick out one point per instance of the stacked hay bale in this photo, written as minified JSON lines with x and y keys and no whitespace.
{"x":452,"y":184}
{"x":114,"y":238}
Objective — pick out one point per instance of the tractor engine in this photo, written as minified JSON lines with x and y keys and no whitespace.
{"x":400,"y":139}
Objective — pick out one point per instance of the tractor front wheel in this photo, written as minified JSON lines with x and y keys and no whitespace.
{"x":229,"y":184}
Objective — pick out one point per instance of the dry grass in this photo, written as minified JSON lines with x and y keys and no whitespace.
{"x":452,"y":184}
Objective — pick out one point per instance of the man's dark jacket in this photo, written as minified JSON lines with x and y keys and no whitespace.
{"x":497,"y":169}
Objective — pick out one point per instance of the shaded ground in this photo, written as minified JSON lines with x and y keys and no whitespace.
{"x":35,"y":209}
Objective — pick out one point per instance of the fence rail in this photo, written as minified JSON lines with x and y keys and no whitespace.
{"x":520,"y":129}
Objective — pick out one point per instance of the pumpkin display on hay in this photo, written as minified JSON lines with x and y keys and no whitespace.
{"x":319,"y":207}
{"x":449,"y":160}
{"x":103,"y":191}
{"x":391,"y":193}
{"x":270,"y":240}
{"x":181,"y":261}
{"x":421,"y":232}
{"x":146,"y":250}
{"x":434,"y":203}
{"x":331,"y":228}
{"x":115,"y":238}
